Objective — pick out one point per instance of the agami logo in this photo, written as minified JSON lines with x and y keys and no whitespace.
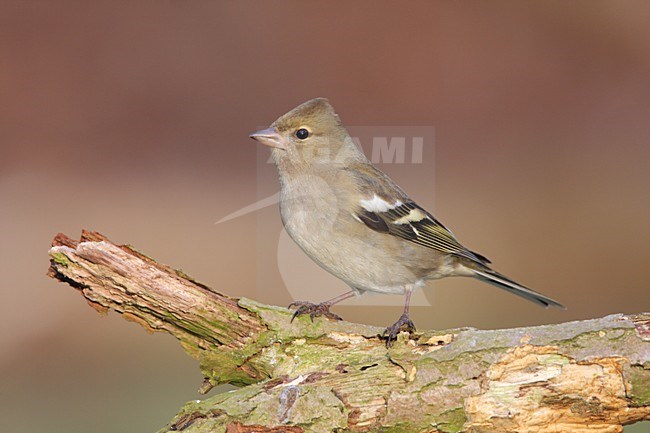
{"x":384,"y":146}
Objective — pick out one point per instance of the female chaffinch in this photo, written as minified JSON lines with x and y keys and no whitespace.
{"x":356,"y":223}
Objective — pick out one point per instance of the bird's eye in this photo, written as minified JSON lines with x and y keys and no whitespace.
{"x":302,"y":133}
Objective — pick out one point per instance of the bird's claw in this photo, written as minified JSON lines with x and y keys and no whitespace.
{"x":314,"y":310}
{"x":404,"y":323}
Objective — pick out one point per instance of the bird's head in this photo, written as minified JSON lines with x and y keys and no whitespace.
{"x":310,"y":132}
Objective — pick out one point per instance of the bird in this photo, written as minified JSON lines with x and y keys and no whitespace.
{"x":357,"y":223}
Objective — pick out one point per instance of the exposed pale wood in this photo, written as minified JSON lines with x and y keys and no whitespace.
{"x":590,"y":376}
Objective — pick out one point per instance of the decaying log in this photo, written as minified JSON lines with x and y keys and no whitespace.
{"x":587,"y":376}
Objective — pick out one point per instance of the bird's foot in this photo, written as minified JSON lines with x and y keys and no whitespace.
{"x":314,"y":310}
{"x":404,"y":323}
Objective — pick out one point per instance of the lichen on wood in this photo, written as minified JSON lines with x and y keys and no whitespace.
{"x":589,"y":376}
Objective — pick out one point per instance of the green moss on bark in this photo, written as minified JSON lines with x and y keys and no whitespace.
{"x":60,"y":259}
{"x":639,"y":379}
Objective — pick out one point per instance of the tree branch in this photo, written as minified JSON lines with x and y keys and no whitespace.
{"x":588,"y":376}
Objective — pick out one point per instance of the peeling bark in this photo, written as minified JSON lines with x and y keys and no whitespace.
{"x":589,"y":376}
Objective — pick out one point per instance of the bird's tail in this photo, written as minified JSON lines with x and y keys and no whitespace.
{"x":503,"y":282}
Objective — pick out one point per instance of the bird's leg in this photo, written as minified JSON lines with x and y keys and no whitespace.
{"x":322,"y":309}
{"x":403,"y":323}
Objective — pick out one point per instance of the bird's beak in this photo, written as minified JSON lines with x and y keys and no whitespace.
{"x":269,"y":137}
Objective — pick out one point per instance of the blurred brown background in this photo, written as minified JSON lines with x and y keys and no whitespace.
{"x":131,"y":118}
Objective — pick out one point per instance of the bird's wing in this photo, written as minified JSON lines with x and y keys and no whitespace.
{"x":385,"y":208}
